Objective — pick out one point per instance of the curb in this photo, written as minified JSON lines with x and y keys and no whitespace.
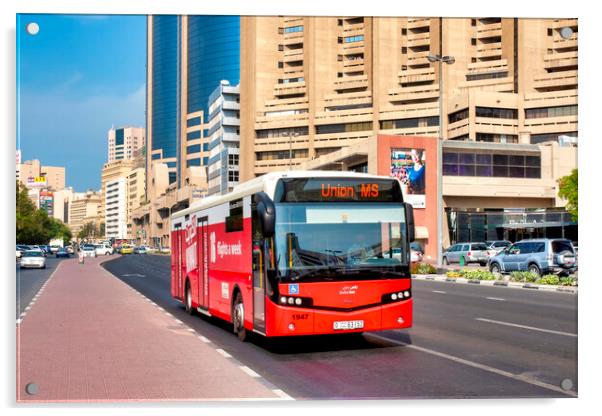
{"x":514,"y":285}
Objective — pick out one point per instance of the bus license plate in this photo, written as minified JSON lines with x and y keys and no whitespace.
{"x":348,"y":324}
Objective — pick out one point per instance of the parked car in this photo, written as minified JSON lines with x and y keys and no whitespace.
{"x":104,"y":249}
{"x":20,"y":249}
{"x":88,"y":250}
{"x":416,"y":252}
{"x":498,"y":245}
{"x":126,"y":249}
{"x":62,"y":252}
{"x":140,"y":250}
{"x":540,"y":256}
{"x":465,"y":253}
{"x":33,"y":258}
{"x":54,"y":249}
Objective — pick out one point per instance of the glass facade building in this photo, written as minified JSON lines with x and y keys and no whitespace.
{"x":213,"y":55}
{"x":165,"y":51}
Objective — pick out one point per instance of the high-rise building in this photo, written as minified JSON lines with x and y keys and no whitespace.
{"x":223,"y":131}
{"x":34,"y":175}
{"x":312,"y":85}
{"x":124,"y":143}
{"x":135,"y":182}
{"x":62,"y":201}
{"x":116,"y":209}
{"x":187,"y":58}
{"x":360,"y":93}
{"x":83,"y":209}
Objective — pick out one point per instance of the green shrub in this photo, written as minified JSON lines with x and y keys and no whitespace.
{"x":478,"y":274}
{"x":524,"y":277}
{"x":549,"y":279}
{"x":568,"y":281}
{"x":423,"y":268}
{"x":453,"y":273}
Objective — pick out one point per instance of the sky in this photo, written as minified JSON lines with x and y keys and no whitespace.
{"x":78,"y":77}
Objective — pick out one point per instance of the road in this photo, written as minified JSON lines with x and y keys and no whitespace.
{"x":29,"y":281}
{"x":467,"y":341}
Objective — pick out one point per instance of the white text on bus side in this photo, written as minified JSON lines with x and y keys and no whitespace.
{"x":191,"y":257}
{"x":225,"y":249}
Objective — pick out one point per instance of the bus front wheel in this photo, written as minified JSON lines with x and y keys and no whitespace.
{"x":238,"y":317}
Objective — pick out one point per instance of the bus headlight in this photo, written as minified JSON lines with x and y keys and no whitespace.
{"x":298,"y":301}
{"x":283,"y":299}
{"x":396,"y":296}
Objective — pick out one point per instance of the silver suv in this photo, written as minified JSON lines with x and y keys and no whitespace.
{"x":465,"y":253}
{"x":540,"y":256}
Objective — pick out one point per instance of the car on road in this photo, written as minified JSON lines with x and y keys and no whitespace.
{"x":88,"y":250}
{"x":20,"y":249}
{"x":498,"y":245}
{"x":126,"y":249}
{"x":465,"y":253}
{"x":33,"y":258}
{"x":539,"y":256}
{"x":104,"y":249}
{"x":140,"y":250}
{"x":54,"y":249}
{"x":416,"y":252}
{"x":62,"y":252}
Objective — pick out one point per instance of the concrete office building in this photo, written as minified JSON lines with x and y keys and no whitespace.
{"x":33,"y":174}
{"x":116,"y":209}
{"x":136,"y":195}
{"x":224,"y":138}
{"x":62,"y":200}
{"x":314,"y":86}
{"x":187,"y":57}
{"x":84,"y":208}
{"x":124,"y":143}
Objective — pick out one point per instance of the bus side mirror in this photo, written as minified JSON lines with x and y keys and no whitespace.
{"x":267,"y":214}
{"x":410,"y":221}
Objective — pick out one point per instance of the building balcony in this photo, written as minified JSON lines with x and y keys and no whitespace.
{"x":553,"y":123}
{"x":421,"y":92}
{"x":292,"y":55}
{"x":350,"y":48}
{"x":558,"y":79}
{"x":354,"y":29}
{"x":230,"y":105}
{"x":418,"y":39}
{"x":496,"y":125}
{"x":559,"y":43}
{"x":489,"y":30}
{"x":490,"y":52}
{"x":458,"y":129}
{"x":293,"y":38}
{"x":560,"y":23}
{"x":551,"y":98}
{"x":281,"y":143}
{"x":292,"y":88}
{"x":409,"y":76}
{"x":352,"y":64}
{"x":291,"y":19}
{"x":340,"y":139}
{"x":418,"y":22}
{"x":488,"y":66}
{"x":561,"y":60}
{"x":344,"y":116}
{"x":348,"y":83}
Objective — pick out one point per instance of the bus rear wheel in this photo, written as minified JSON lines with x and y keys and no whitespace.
{"x":238,"y":317}
{"x":188,"y":300}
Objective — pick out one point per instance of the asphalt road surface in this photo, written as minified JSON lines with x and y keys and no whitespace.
{"x":467,"y":341}
{"x":29,"y":281}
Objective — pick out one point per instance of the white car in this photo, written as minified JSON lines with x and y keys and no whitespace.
{"x":88,"y":250}
{"x":104,"y":249}
{"x":33,"y":258}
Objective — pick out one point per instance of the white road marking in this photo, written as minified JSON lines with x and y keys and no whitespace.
{"x":191,"y":330}
{"x":532,"y":328}
{"x":500,"y":299}
{"x":249,"y":371}
{"x":204,"y":339}
{"x":222,"y":352}
{"x":439,"y":291}
{"x":487,"y":368}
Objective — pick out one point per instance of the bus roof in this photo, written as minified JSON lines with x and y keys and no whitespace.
{"x":267,"y":184}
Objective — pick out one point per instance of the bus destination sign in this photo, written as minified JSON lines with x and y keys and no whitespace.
{"x":338,"y":190}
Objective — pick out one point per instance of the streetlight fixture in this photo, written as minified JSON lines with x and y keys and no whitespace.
{"x":448,"y":60}
{"x":290,"y":136}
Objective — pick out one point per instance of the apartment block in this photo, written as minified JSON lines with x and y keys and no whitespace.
{"x":83,"y":209}
{"x":33,"y":174}
{"x":116,"y":209}
{"x":224,"y":138}
{"x":124,"y":143}
{"x":313,"y":85}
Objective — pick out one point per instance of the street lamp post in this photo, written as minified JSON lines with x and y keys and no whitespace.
{"x":290,"y":136}
{"x":448,"y":60}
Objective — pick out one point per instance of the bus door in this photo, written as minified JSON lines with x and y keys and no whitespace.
{"x":178,"y":272}
{"x":259,"y":273}
{"x":203,"y":263}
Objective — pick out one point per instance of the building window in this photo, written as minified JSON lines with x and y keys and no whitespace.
{"x":195,"y":121}
{"x":156,"y":156}
{"x":280,"y":65}
{"x":171,"y":164}
{"x":195,"y":148}
{"x":233,"y":176}
{"x":344,"y":127}
{"x":193,"y":135}
{"x":339,"y":40}
{"x":233,"y":160}
{"x":275,"y":133}
{"x":551,"y":137}
{"x":497,"y":138}
{"x":489,"y":112}
{"x":409,"y":123}
{"x":193,"y":162}
{"x":351,"y":39}
{"x":172,"y":177}
{"x":458,"y":115}
{"x":491,"y":165}
{"x":544,"y":112}
{"x":118,"y":137}
{"x":280,"y":48}
{"x":293,"y":29}
{"x":281,"y":154}
{"x":489,"y":75}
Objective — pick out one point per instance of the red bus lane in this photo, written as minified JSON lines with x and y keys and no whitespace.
{"x":298,"y":253}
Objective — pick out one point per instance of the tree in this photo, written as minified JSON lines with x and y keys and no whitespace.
{"x":89,"y":230}
{"x":568,"y":190}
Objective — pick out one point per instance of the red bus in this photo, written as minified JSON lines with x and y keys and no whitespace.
{"x":298,"y":253}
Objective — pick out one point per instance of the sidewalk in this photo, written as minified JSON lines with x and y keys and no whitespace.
{"x":514,"y":285}
{"x":91,"y":338}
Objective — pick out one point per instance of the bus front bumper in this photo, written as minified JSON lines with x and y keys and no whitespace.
{"x":287,"y":321}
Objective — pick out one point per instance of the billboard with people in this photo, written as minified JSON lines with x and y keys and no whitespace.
{"x":409,"y":166}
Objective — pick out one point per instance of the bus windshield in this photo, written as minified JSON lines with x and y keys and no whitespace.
{"x":340,"y":241}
